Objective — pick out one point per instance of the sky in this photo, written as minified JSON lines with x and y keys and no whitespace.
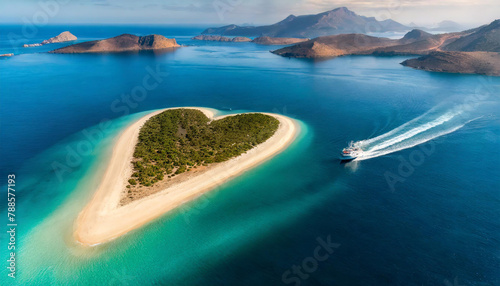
{"x":254,"y":12}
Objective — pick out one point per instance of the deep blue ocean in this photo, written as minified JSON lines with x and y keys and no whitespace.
{"x":422,"y":209}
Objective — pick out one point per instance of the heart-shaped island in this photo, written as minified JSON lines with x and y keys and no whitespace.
{"x":172,"y":156}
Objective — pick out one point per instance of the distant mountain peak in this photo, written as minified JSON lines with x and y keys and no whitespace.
{"x":345,"y":9}
{"x":288,"y":19}
{"x":494,"y":25}
{"x":449,"y":26}
{"x":446,"y":22}
{"x":337,"y":21}
{"x":341,"y":11}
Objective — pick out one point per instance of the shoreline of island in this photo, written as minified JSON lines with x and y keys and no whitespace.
{"x":104,"y":219}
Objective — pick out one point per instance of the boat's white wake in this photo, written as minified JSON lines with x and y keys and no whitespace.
{"x":417,"y":131}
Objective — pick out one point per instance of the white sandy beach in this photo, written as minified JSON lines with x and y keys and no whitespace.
{"x":103,"y":218}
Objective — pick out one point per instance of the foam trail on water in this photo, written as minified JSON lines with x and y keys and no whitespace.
{"x":415,"y":131}
{"x":393,"y":131}
{"x":373,"y":154}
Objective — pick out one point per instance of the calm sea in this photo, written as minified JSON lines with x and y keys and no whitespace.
{"x":422,"y":210}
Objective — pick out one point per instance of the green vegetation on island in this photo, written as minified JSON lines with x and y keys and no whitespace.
{"x":177,"y":140}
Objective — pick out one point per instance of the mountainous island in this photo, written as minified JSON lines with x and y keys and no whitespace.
{"x":61,"y":38}
{"x":337,"y":21}
{"x":416,"y":42}
{"x":121,"y":43}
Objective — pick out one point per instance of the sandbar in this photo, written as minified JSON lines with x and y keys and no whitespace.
{"x":104,"y":219}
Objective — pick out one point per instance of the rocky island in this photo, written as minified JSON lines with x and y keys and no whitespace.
{"x":335,"y":46}
{"x":122,"y":43}
{"x":475,"y":50}
{"x":170,"y":157}
{"x":61,"y":38}
{"x":415,"y":42}
{"x":485,"y":63}
{"x":278,"y":41}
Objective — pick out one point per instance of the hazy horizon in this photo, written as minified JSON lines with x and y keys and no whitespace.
{"x":220,"y":12}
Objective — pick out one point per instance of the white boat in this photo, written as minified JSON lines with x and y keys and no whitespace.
{"x":351,"y":152}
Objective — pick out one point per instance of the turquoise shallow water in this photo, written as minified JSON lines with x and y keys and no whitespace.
{"x":436,"y":225}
